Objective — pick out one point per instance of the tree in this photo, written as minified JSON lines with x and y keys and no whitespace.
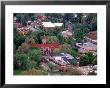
{"x":24,"y":47}
{"x":35,"y":36}
{"x":50,"y":32}
{"x":35,"y":55}
{"x":78,"y":25}
{"x":70,"y":40}
{"x":87,"y":59}
{"x":27,"y":57}
{"x":52,"y":39}
{"x":29,"y":40}
{"x":66,"y":48}
{"x":56,"y":51}
{"x":20,"y":61}
{"x":78,"y":33}
{"x":74,"y":52}
{"x":92,"y":21}
{"x":79,"y":17}
{"x":60,"y":38}
{"x":68,"y":16}
{"x":32,"y":16}
{"x":23,"y":61}
{"x":85,"y":30}
{"x":55,"y":15}
{"x":18,"y":40}
{"x":57,"y":30}
{"x":54,"y":31}
{"x":39,"y":34}
{"x":24,"y":17}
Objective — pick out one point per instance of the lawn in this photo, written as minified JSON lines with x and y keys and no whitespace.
{"x":30,"y":72}
{"x":17,"y":72}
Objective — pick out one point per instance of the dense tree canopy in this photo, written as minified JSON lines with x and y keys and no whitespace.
{"x":23,"y":17}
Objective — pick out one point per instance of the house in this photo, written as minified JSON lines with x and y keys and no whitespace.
{"x":66,"y":34}
{"x":59,"y":60}
{"x":86,"y":47}
{"x":92,"y":37}
{"x":67,"y":57}
{"x":63,"y":59}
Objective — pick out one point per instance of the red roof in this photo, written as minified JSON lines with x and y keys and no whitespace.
{"x":92,"y":35}
{"x":53,"y":45}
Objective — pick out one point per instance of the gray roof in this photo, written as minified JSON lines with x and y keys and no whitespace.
{"x":67,"y":55}
{"x":88,"y":44}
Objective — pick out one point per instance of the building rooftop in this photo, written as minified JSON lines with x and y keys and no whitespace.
{"x":58,"y":24}
{"x":86,"y":44}
{"x":92,"y":35}
{"x":66,"y":33}
{"x":48,"y":24}
{"x":68,"y":56}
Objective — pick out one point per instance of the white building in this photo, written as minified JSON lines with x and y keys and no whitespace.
{"x":48,"y":25}
{"x":58,"y":24}
{"x":51,"y":25}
